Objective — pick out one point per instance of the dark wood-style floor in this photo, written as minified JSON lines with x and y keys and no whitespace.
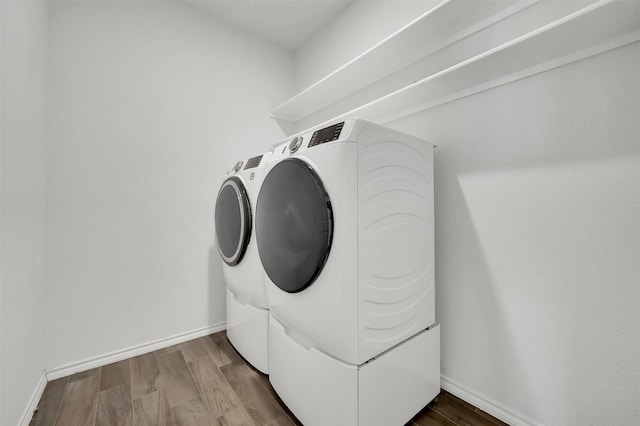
{"x":200,"y":382}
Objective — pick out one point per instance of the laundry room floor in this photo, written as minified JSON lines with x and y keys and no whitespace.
{"x":200,"y":382}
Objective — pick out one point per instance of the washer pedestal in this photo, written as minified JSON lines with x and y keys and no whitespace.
{"x":322,"y":390}
{"x":248,"y":331}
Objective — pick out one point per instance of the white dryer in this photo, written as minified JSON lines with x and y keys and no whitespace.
{"x":247,"y":307}
{"x":344,"y":226}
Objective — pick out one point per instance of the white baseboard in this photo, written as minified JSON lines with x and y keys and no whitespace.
{"x":35,"y":399}
{"x":102,"y":360}
{"x":485,"y":404}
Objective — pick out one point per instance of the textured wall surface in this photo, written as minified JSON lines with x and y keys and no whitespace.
{"x":22,"y":268}
{"x":537,"y":241}
{"x":537,"y":195}
{"x":356,"y":29}
{"x":151,"y":103}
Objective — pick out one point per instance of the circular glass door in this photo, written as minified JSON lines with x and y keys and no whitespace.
{"x":294,"y":225}
{"x":233,"y":221}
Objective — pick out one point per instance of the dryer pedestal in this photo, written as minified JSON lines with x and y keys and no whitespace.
{"x":248,"y":331}
{"x":322,"y":390}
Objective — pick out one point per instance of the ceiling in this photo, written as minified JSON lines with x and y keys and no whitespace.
{"x":289,"y":23}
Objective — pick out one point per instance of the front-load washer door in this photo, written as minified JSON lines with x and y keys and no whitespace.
{"x":294,"y":225}
{"x":233,"y":220}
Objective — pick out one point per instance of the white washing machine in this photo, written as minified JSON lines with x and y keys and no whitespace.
{"x":344,"y":226}
{"x":247,"y":307}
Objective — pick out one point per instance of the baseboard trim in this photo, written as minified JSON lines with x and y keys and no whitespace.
{"x":102,"y":360}
{"x":35,"y":399}
{"x":485,"y":404}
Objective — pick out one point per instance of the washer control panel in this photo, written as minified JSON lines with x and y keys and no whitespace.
{"x":253,"y":162}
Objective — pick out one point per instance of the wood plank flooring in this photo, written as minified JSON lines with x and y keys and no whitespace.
{"x":203,"y":382}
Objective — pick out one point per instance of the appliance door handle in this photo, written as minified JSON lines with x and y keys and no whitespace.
{"x":297,"y":337}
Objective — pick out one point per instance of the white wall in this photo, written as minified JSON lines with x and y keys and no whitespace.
{"x":23,"y":148}
{"x":359,"y":27}
{"x":538,"y":237}
{"x":150,"y":104}
{"x":538,"y":240}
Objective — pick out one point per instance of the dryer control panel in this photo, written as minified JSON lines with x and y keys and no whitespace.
{"x":344,"y":131}
{"x":327,"y":134}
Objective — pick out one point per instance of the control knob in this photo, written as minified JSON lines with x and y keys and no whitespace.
{"x":295,"y":144}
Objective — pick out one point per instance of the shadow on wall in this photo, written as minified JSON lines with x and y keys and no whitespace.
{"x":216,"y":287}
{"x":537,"y":192}
{"x":560,"y":255}
{"x":477,"y":338}
{"x":537,"y":284}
